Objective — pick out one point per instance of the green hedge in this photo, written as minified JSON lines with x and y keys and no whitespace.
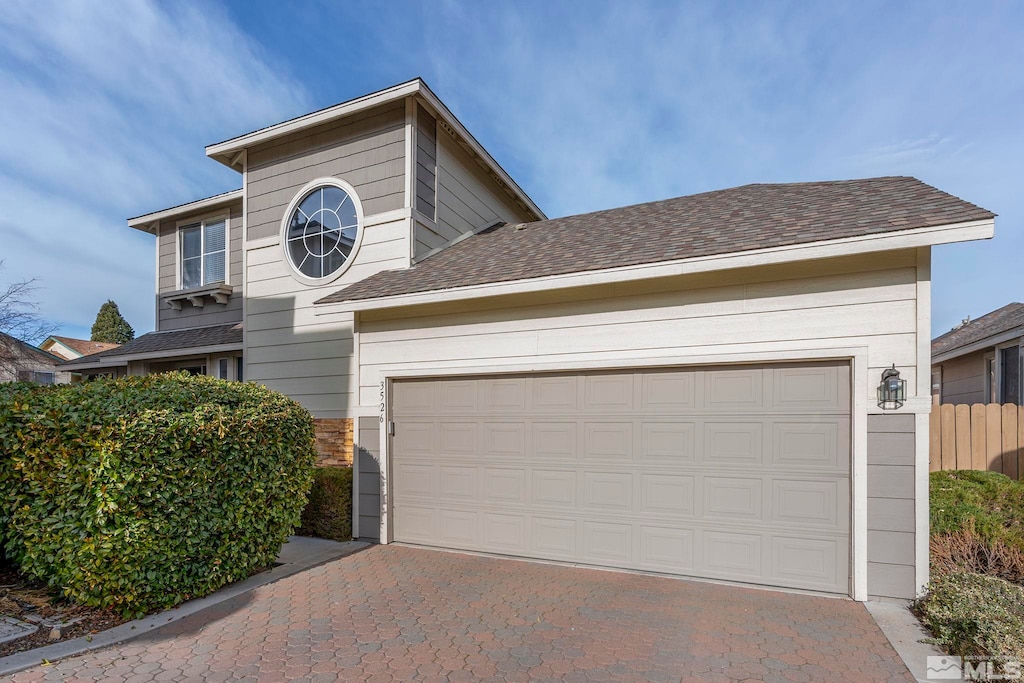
{"x":991,"y":502}
{"x":139,"y":493}
{"x":328,"y":514}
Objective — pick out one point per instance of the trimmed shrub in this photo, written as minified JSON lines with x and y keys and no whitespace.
{"x":328,"y":514}
{"x":140,"y":493}
{"x":992,"y":502}
{"x":975,"y":615}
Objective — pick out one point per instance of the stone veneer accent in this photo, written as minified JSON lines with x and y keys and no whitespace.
{"x":333,"y":441}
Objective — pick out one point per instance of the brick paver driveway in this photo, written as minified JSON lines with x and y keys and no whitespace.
{"x":393,"y":612}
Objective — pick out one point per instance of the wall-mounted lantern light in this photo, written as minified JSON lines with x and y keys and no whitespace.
{"x":892,"y":391}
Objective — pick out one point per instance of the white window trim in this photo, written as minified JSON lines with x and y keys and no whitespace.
{"x":294,"y":203}
{"x":991,"y":378}
{"x":201,"y":221}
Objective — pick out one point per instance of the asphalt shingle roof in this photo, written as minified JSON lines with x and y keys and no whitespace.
{"x":155,"y":342}
{"x":720,"y":222}
{"x":1009,"y":317}
{"x":85,"y":346}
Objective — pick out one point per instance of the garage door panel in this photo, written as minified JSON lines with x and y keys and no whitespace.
{"x":669,"y":494}
{"x":554,"y":440}
{"x":667,"y":442}
{"x":606,"y":393}
{"x":807,"y":563}
{"x":808,"y":503}
{"x":607,"y":491}
{"x":607,"y":440}
{"x":804,"y":445}
{"x":457,"y":482}
{"x":505,"y":395}
{"x":554,"y":538}
{"x":607,"y":542}
{"x":733,"y":443}
{"x":503,"y":440}
{"x":734,"y":390}
{"x":504,"y":485}
{"x":453,"y":439}
{"x":732,"y":555}
{"x":504,"y":532}
{"x":667,"y":549}
{"x":553,"y":393}
{"x":554,"y":487}
{"x":675,"y":391}
{"x":736,"y":474}
{"x":731,"y":498}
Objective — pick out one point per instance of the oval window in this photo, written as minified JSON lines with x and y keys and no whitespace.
{"x":321,"y":232}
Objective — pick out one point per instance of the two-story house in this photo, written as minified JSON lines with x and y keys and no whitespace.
{"x":688,"y":386}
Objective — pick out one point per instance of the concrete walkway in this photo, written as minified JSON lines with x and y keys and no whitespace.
{"x":397,"y":613}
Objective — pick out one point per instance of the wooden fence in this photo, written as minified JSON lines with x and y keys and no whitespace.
{"x":978,"y":437}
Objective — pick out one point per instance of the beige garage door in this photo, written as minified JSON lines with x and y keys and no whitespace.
{"x":738,"y":473}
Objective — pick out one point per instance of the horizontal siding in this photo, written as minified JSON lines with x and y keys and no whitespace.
{"x":426,"y":162}
{"x":212,"y":313}
{"x":875,"y":309}
{"x":367,"y":151}
{"x":963,"y":379}
{"x":892,"y":518}
{"x":466,"y":197}
{"x":368,"y":454}
{"x":289,"y":348}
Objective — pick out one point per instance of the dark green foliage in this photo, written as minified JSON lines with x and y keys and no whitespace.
{"x":973,"y":614}
{"x":139,"y":493}
{"x":994,"y":501}
{"x":110,"y":326}
{"x":328,"y":513}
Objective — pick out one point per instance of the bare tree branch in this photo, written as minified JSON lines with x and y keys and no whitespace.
{"x":20,"y":320}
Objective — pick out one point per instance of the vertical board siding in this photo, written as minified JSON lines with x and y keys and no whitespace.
{"x":367,"y":151}
{"x":987,"y":437}
{"x":212,"y":313}
{"x":891,"y":496}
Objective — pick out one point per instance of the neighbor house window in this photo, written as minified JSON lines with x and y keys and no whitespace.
{"x":238,"y":369}
{"x":203,"y":253}
{"x":1009,"y":375}
{"x":321,"y":229}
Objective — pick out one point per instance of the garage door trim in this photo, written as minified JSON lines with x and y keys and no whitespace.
{"x":855,"y":356}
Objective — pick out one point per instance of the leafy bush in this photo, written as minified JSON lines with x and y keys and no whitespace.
{"x":139,"y":493}
{"x":328,"y":514}
{"x":971,"y":614}
{"x":992,"y":502}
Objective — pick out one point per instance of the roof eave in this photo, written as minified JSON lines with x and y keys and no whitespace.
{"x":887,"y":241}
{"x":227,"y":152}
{"x":108,"y":361}
{"x":979,"y":345}
{"x":148,"y":222}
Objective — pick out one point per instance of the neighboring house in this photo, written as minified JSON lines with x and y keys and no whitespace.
{"x":23,"y":362}
{"x":980,"y":361}
{"x":686,"y":386}
{"x":70,"y":348}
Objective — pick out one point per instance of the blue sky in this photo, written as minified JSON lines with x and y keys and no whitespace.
{"x":588,"y":105}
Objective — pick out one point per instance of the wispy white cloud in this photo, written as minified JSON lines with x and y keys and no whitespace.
{"x":107,"y":108}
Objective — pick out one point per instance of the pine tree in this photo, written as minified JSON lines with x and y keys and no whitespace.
{"x":110,"y":326}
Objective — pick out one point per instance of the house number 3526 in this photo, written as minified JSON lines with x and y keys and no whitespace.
{"x":382,"y":402}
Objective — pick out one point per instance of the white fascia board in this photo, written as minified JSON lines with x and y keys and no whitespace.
{"x":981,"y":344}
{"x":145,"y":222}
{"x":225,"y":151}
{"x":888,"y":241}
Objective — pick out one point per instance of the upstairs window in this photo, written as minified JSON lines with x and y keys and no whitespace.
{"x":203,"y":253}
{"x":321,"y":230}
